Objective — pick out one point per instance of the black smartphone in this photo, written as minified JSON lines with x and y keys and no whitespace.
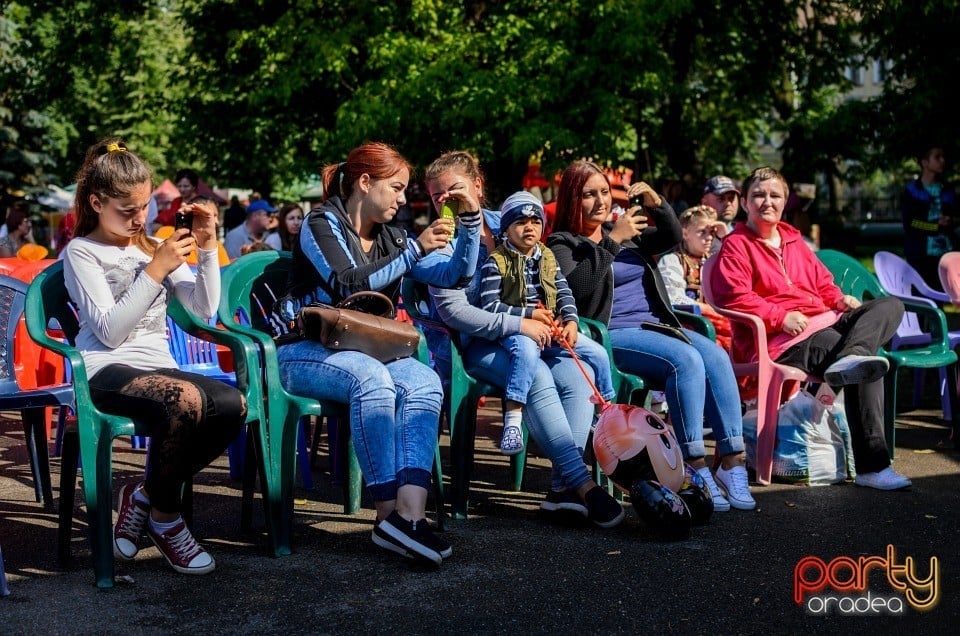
{"x":183,"y":220}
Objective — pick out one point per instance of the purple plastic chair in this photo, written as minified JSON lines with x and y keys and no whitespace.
{"x":900,"y":279}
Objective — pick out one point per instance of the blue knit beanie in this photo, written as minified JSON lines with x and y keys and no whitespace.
{"x":519,"y":205}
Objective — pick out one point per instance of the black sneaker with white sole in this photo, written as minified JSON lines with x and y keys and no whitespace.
{"x":602,"y":509}
{"x":563,"y":500}
{"x":412,"y":539}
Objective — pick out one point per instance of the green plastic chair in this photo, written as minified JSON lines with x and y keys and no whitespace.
{"x":248,"y":288}
{"x":856,"y":280}
{"x":250,"y":285}
{"x":47,"y":305}
{"x":465,"y":393}
{"x":696,"y":322}
{"x":630,"y":388}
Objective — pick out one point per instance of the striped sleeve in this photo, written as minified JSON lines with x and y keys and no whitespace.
{"x":566,"y":307}
{"x":491,"y":286}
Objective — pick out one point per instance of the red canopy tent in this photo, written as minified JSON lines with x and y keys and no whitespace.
{"x":166,"y":192}
{"x":209,"y":192}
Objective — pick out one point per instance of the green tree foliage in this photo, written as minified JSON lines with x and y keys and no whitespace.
{"x":919,"y":41}
{"x":22,"y":158}
{"x":263,"y":93}
{"x":107,"y":68}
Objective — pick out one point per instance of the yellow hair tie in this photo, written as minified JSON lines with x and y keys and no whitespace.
{"x":115,"y":147}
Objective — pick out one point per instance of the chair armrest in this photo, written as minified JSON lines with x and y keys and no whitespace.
{"x":246,"y":354}
{"x":915,"y":299}
{"x":595,"y":329}
{"x":936,"y":320}
{"x":695,"y":321}
{"x":70,"y":354}
{"x":930,"y":292}
{"x":423,"y":351}
{"x":759,"y":334}
{"x":38,"y":333}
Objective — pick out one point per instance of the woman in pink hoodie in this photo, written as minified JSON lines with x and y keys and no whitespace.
{"x":764,"y":268}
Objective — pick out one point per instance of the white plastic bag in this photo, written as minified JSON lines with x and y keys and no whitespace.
{"x":813,"y":440}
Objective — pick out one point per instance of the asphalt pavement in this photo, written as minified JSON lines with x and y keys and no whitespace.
{"x":512,"y":571}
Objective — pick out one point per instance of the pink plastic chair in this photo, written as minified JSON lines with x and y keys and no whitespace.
{"x":900,"y":279}
{"x":775,"y":382}
{"x":949,"y":271}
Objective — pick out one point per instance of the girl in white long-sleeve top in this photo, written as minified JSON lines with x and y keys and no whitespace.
{"x":121,"y":281}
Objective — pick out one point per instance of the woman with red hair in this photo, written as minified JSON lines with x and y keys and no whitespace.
{"x":346,"y":246}
{"x":610,"y":270}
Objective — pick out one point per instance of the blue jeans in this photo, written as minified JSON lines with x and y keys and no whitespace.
{"x":558,"y":412}
{"x":697,"y":379}
{"x":394,"y":409}
{"x":524,"y":354}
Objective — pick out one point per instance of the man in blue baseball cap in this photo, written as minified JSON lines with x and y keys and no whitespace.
{"x":250,"y":231}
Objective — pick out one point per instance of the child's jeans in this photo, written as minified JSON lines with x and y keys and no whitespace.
{"x":524,"y":354}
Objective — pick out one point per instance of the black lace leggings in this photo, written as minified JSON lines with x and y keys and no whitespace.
{"x":191,"y":419}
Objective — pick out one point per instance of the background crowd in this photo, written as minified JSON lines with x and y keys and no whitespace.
{"x":498,"y":279}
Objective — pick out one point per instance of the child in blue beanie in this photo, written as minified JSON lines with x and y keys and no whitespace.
{"x":521,"y":278}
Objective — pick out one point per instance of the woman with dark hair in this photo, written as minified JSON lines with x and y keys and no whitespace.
{"x":121,"y":281}
{"x":188,"y":183}
{"x":347,"y":247}
{"x":19,"y":232}
{"x":289,"y":222}
{"x":610,"y":269}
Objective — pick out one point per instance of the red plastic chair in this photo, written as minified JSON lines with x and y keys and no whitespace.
{"x":775,"y":382}
{"x":35,"y":366}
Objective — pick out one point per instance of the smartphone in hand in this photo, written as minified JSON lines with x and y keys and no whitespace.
{"x":449,"y":209}
{"x":183,"y":220}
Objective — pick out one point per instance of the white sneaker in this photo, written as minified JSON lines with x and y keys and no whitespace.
{"x":658,"y":402}
{"x":856,"y":369}
{"x":886,"y":479}
{"x":737,"y":486}
{"x":720,"y":503}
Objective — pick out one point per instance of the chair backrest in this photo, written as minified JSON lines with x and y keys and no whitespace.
{"x":756,"y":326}
{"x":251,"y":285}
{"x":900,"y":279}
{"x":28,"y":270}
{"x":851,"y":276}
{"x":896,"y":275}
{"x":191,"y":353}
{"x":49,"y":305}
{"x":13,"y":295}
{"x":8,"y":264}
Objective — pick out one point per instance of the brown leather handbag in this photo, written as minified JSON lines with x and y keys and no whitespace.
{"x":371,"y":328}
